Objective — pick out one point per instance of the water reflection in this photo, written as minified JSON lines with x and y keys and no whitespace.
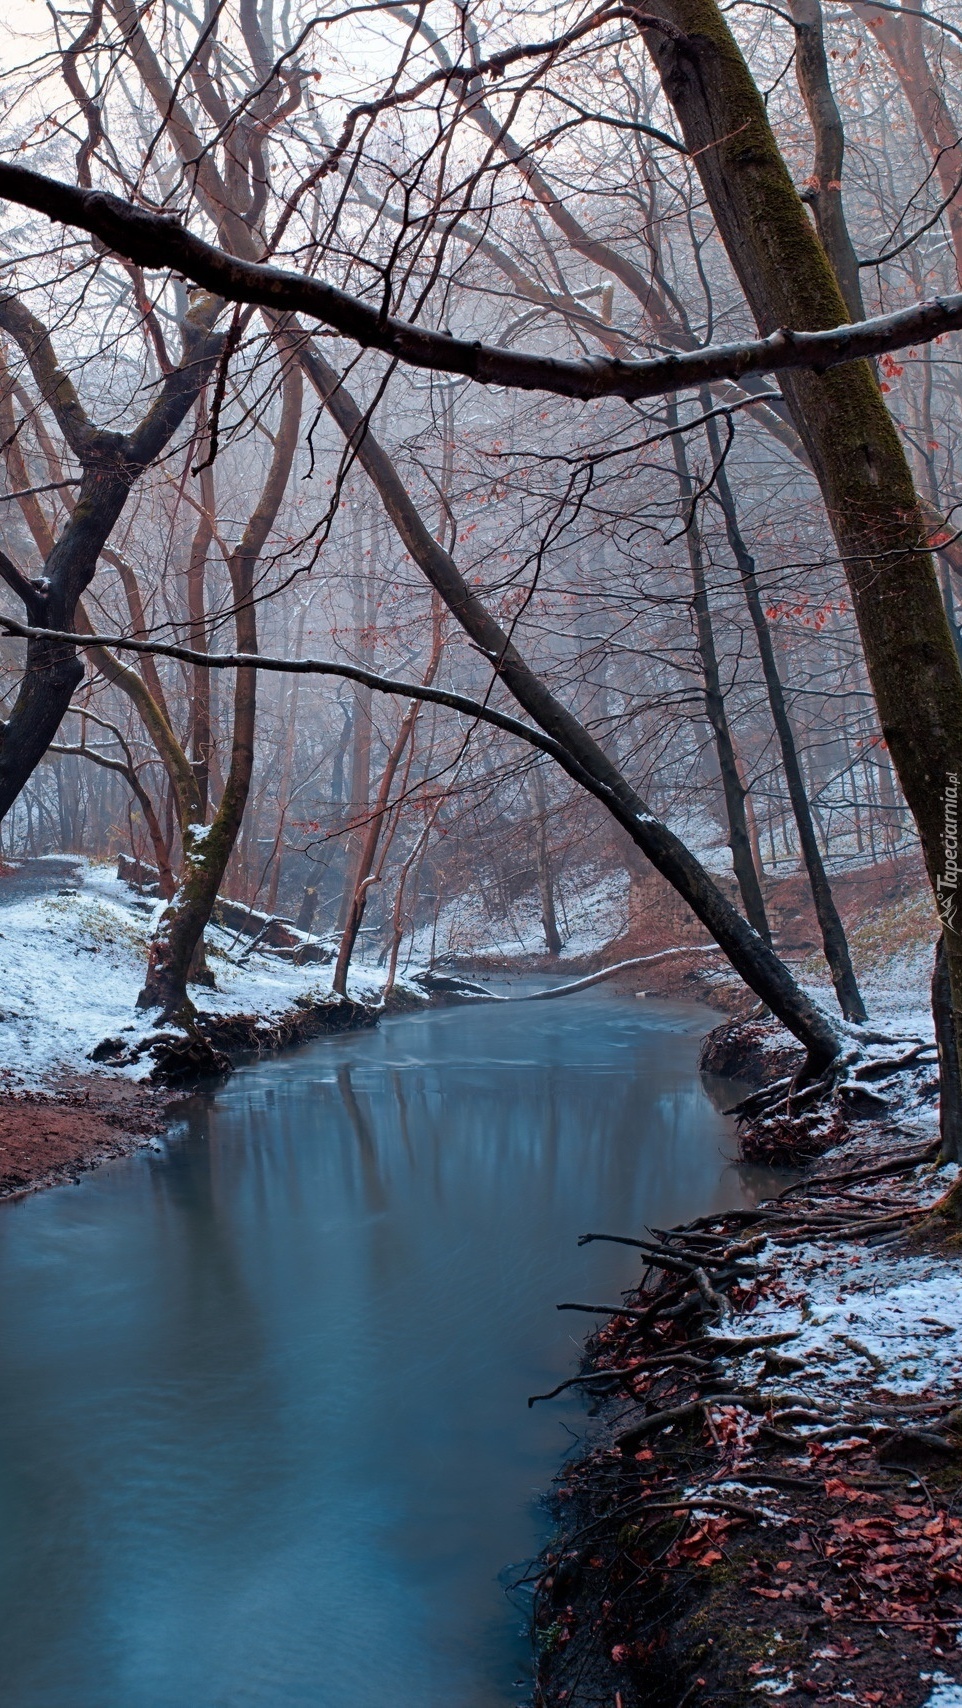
{"x":263,"y":1433}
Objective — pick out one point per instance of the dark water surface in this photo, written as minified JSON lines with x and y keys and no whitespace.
{"x":263,"y":1434}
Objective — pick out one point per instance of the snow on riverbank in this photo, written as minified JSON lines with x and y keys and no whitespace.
{"x":866,"y":1320}
{"x":72,"y":960}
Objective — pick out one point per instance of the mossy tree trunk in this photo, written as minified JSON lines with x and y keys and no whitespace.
{"x":841,"y":418}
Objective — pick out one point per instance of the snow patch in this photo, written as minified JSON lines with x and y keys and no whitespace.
{"x":861,"y":1318}
{"x":72,"y":965}
{"x":945,"y":1693}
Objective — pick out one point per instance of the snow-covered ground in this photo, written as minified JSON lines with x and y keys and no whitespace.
{"x":864,"y":1320}
{"x":72,"y":963}
{"x":592,"y":908}
{"x":72,"y":959}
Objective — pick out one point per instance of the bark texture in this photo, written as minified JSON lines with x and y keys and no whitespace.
{"x":208,"y":848}
{"x":840,"y":416}
{"x":111,"y":463}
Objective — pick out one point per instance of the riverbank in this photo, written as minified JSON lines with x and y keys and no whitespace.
{"x":84,"y":1075}
{"x":50,"y":1137}
{"x":767,"y":1501}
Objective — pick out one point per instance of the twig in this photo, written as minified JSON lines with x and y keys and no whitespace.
{"x":682,"y":1360}
{"x":713,"y":1300}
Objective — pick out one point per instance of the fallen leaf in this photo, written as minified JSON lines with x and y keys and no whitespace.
{"x":837,"y":1490}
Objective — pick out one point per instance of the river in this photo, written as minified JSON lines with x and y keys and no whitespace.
{"x":264,"y":1440}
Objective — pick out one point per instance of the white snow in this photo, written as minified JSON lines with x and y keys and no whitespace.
{"x":592,"y":909}
{"x":72,"y":965}
{"x":945,"y":1693}
{"x":861,"y":1319}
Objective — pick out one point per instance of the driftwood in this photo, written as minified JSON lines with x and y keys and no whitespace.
{"x":619,"y":967}
{"x":463,"y":990}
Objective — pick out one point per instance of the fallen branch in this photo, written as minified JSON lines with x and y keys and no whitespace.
{"x":734,"y":1345}
{"x":759,"y":1404}
{"x":891,"y":1165}
{"x":713,"y":1300}
{"x":606,"y":1310}
{"x":680,"y":1360}
{"x":608,"y":972}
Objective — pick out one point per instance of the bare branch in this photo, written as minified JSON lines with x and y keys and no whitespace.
{"x":316,"y":667}
{"x":21,"y":586}
{"x":160,"y":241}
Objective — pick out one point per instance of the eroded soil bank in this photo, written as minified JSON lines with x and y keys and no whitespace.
{"x":768,"y":1504}
{"x":49,"y":1137}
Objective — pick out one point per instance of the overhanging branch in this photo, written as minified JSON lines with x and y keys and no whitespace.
{"x":160,"y":242}
{"x":322,"y":667}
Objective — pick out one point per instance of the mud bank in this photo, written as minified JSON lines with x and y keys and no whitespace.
{"x":53,"y":1135}
{"x":49,"y":1137}
{"x":767,"y":1503}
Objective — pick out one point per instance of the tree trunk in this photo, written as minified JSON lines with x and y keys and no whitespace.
{"x":199,"y":729}
{"x":549,"y":917}
{"x":307,"y":909}
{"x":364,"y":874}
{"x":359,"y":797}
{"x":824,"y":191}
{"x":834,"y":941}
{"x":739,"y":841}
{"x":841,"y":418}
{"x":111,"y":463}
{"x":900,"y":37}
{"x":208,"y":848}
{"x":950,"y":1076}
{"x":757,"y":964}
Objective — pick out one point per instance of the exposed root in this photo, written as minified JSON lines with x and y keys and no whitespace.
{"x":791,"y":1120}
{"x":193,"y":1045}
{"x":671,"y":1579}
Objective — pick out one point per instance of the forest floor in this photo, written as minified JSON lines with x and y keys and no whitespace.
{"x":768,"y":1502}
{"x":53,"y":1136}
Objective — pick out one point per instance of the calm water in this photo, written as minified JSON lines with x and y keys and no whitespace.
{"x":263,"y":1434}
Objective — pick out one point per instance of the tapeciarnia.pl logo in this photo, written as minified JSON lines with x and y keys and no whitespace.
{"x":947,"y":884}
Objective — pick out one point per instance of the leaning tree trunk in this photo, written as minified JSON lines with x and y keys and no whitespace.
{"x":590,"y":766}
{"x":753,"y":959}
{"x":834,"y":940}
{"x":840,"y":416}
{"x":208,"y":848}
{"x":111,"y":464}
